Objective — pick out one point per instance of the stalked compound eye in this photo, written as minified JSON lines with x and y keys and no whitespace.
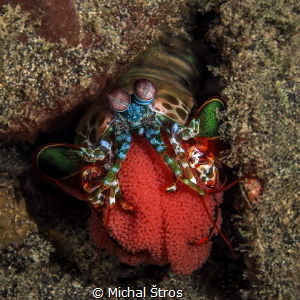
{"x":118,"y":99}
{"x":143,"y":91}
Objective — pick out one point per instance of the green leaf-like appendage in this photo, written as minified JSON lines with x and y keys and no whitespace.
{"x":208,"y":121}
{"x":59,"y":161}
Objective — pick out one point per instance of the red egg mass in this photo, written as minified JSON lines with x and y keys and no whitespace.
{"x":163,"y":227}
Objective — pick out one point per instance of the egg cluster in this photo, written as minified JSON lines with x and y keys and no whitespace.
{"x":162,"y":227}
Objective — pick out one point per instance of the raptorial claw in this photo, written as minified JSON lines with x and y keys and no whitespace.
{"x":202,"y":160}
{"x":91,"y":177}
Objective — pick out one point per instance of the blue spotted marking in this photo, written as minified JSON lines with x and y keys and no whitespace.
{"x":135,"y":112}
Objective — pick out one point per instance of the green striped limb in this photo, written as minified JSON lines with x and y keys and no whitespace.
{"x":192,"y":185}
